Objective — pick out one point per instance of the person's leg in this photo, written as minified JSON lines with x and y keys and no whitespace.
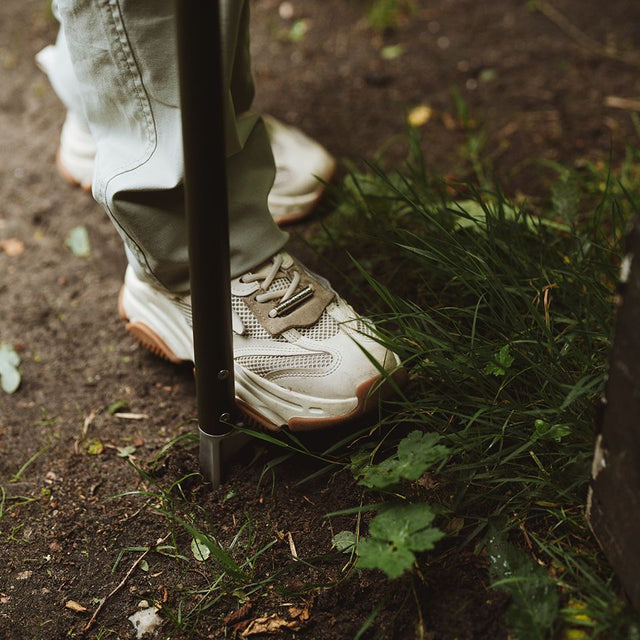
{"x":302,"y":164}
{"x":125,"y":64}
{"x":303,"y":358}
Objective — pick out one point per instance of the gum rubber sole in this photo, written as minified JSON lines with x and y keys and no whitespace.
{"x":146,"y":336}
{"x":368,"y":393}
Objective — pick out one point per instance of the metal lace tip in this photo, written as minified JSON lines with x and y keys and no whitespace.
{"x":288,"y":305}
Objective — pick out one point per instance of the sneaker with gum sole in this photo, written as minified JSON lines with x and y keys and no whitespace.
{"x":303,"y":358}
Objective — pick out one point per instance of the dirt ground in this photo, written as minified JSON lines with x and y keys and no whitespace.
{"x":537,"y":84}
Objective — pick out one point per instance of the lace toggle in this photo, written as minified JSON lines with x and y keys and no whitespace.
{"x":288,"y":297}
{"x":285,"y":296}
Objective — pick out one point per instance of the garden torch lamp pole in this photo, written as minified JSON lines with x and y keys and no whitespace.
{"x":205,"y":181}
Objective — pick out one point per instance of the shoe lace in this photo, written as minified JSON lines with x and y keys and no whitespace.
{"x":287,"y":298}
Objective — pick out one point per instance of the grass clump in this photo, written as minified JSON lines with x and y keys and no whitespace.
{"x":504,"y":315}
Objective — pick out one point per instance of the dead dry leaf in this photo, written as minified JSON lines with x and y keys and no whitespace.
{"x":292,"y":546}
{"x":300,"y":613}
{"x":75,"y":606}
{"x":275,"y":623}
{"x":238,"y":614}
{"x":420,"y":115}
{"x":618,"y":102}
{"x":12,"y":246}
{"x":269,"y":624}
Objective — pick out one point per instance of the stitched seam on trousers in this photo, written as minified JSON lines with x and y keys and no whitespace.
{"x":128,"y":65}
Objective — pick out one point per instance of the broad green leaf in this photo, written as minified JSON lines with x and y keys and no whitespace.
{"x":406,"y":526}
{"x":392,"y":52}
{"x":94,"y":447}
{"x":378,"y":554}
{"x":395,"y":534}
{"x":416,"y":453}
{"x":501,"y":362}
{"x":200,"y":550}
{"x":9,"y":363}
{"x":344,"y":542}
{"x":78,"y":242}
{"x":126,"y":452}
{"x":546,"y":431}
{"x":298,"y":30}
{"x":565,"y":197}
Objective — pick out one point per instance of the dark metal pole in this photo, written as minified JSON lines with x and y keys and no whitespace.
{"x":206,"y":202}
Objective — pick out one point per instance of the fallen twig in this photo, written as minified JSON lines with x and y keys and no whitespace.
{"x":121,"y":584}
{"x":617,"y":102}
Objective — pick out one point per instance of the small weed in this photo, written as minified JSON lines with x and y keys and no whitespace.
{"x":18,"y":475}
{"x":385,"y":14}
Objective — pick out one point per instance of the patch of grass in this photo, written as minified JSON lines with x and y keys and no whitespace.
{"x":503,"y":314}
{"x":221,"y":566}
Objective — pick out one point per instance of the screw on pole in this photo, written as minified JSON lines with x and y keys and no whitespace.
{"x":206,"y":202}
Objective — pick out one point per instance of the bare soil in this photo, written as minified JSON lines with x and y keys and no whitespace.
{"x":536,"y":83}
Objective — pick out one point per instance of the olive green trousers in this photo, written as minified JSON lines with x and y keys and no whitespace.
{"x":116,"y":67}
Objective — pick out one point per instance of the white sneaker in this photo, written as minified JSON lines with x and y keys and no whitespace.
{"x":302,"y":166}
{"x":76,"y":152}
{"x":303,"y":358}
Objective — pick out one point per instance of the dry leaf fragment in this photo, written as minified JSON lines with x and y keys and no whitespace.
{"x":292,"y":546}
{"x":420,"y":115}
{"x":449,"y":122}
{"x":618,"y":102}
{"x":275,"y":623}
{"x":238,"y":614}
{"x":286,"y":10}
{"x":301,"y":614}
{"x":75,"y":606}
{"x":78,"y":242}
{"x":269,"y":624}
{"x":131,"y":416}
{"x":145,"y":621}
{"x":12,"y":246}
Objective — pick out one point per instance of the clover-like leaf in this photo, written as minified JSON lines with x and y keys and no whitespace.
{"x":344,"y":542}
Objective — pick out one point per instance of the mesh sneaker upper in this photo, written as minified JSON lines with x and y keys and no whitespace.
{"x":273,"y":365}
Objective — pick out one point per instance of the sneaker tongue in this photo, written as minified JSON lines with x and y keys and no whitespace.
{"x":304,"y":313}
